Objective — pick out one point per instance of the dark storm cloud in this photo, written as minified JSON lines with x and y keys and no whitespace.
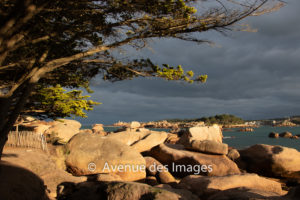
{"x":253,"y":75}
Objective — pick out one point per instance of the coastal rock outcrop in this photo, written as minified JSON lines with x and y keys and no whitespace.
{"x":181,"y":162}
{"x":286,"y":123}
{"x":67,"y":122}
{"x":59,"y":131}
{"x":128,"y":137}
{"x":62,"y":130}
{"x":142,"y":140}
{"x":273,"y":135}
{"x":117,"y":191}
{"x":286,"y":134}
{"x":268,"y":160}
{"x":40,"y":164}
{"x":90,"y":154}
{"x":246,"y":130}
{"x":206,"y":186}
{"x":201,"y":133}
{"x":151,"y":140}
{"x":207,"y":146}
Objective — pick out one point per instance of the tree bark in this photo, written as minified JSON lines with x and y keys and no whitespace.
{"x":13,"y":109}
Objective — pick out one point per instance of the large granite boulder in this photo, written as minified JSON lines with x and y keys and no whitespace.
{"x":182,"y":163}
{"x":67,"y":122}
{"x":151,"y":140}
{"x":268,"y":160}
{"x":206,"y":186}
{"x":207,"y":146}
{"x":213,"y":133}
{"x":116,"y":191}
{"x":62,"y":130}
{"x":128,"y":137}
{"x":142,"y":140}
{"x":21,"y":184}
{"x":42,"y":165}
{"x":90,"y":154}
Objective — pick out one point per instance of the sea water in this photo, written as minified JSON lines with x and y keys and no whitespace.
{"x":242,"y":140}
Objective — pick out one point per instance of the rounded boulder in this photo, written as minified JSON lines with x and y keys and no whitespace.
{"x":93,"y":154}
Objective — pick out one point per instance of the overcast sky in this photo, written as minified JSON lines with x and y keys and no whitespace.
{"x":251,"y":75}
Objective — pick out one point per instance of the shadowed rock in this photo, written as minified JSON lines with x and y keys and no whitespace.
{"x":17,"y":183}
{"x":246,"y":194}
{"x":116,"y":191}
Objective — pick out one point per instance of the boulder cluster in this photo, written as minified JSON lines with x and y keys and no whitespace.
{"x":285,"y":134}
{"x":137,"y":163}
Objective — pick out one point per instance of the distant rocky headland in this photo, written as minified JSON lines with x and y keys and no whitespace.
{"x":224,"y":121}
{"x":162,"y":124}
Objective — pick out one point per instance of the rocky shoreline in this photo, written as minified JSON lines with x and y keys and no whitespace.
{"x":161,"y":124}
{"x":135,"y":163}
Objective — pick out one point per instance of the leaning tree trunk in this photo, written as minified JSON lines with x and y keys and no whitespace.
{"x":10,"y":108}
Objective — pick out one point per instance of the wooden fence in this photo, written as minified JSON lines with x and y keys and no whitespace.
{"x":27,"y":139}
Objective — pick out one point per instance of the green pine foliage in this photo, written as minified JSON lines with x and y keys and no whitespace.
{"x":171,"y":73}
{"x":58,"y":102}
